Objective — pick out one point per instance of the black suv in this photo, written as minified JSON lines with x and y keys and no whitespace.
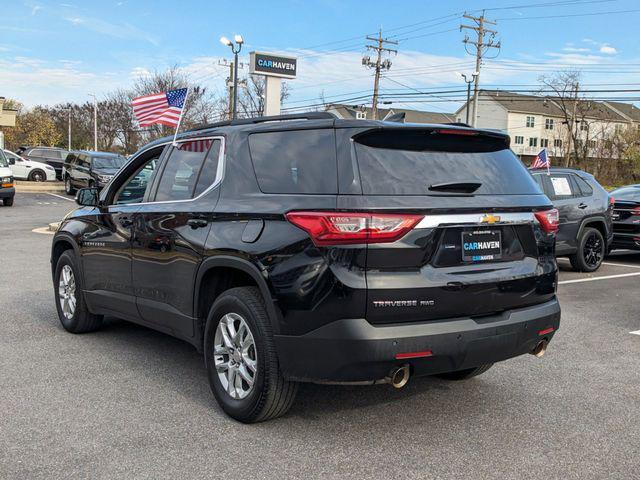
{"x":49,"y":155}
{"x":585,"y":209}
{"x":88,"y":169}
{"x":314,"y":249}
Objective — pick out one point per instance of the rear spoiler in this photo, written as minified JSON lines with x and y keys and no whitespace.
{"x":450,"y":138}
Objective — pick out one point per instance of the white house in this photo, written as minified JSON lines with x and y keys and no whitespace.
{"x":535,"y":122}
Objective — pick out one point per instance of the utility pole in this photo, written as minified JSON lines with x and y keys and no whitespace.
{"x":95,"y":122}
{"x":69,"y":129}
{"x":378,"y":65}
{"x":481,"y":48}
{"x":229,"y":80}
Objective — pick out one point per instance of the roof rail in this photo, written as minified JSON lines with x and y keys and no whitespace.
{"x":272,"y":118}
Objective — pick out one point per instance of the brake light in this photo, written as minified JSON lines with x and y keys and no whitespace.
{"x":635,"y":211}
{"x":335,"y":228}
{"x":549,"y":220}
{"x":612,"y":201}
{"x":451,"y":131}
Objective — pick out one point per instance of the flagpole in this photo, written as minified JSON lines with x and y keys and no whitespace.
{"x":184,"y":107}
{"x":546,"y":154}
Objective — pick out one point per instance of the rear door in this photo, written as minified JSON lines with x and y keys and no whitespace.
{"x":477,"y":247}
{"x":566,"y":198}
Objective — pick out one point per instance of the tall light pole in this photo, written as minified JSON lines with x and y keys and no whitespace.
{"x":469,"y":82}
{"x":95,"y":121}
{"x":235,"y":48}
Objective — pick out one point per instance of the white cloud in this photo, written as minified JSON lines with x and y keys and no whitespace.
{"x":124,"y":31}
{"x":575,"y":49}
{"x":608,"y":50}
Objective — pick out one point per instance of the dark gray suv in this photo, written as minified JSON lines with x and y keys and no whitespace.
{"x":585,"y":209}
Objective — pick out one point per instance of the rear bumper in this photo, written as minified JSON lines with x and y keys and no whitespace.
{"x":626,"y":240}
{"x":353,"y":350}
{"x":7,"y":192}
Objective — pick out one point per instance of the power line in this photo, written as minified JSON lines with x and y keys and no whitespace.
{"x":571,"y":15}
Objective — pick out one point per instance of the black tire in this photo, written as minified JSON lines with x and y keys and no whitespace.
{"x":67,"y":186}
{"x":38,"y":176}
{"x":7,"y":202}
{"x":465,"y":374}
{"x":82,"y":320}
{"x":271,"y":395}
{"x":591,"y":251}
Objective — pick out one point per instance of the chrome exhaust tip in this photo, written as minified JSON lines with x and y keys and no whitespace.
{"x":540,"y":349}
{"x":400,"y":376}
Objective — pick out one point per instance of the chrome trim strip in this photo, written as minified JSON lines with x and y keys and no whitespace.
{"x":510,"y":218}
{"x":219,"y":173}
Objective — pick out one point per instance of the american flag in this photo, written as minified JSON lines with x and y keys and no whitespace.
{"x":164,"y":108}
{"x":195,"y":145}
{"x":541,"y":160}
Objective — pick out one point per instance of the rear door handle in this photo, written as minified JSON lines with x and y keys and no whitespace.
{"x":197,"y":223}
{"x":583,"y":205}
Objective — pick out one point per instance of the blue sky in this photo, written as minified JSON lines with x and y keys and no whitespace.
{"x":61,"y":50}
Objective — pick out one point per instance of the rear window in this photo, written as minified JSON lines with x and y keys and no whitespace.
{"x":300,"y":161}
{"x":407,"y":163}
{"x":631,"y":194}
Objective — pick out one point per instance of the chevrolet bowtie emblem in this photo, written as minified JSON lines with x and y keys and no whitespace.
{"x":490,"y":218}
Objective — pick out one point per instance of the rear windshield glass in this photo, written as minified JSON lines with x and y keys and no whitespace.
{"x":299,"y":161}
{"x":627,"y":193}
{"x":408,"y":163}
{"x":108,"y":162}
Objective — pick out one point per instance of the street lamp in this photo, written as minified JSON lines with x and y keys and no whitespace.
{"x":95,"y":122}
{"x":235,"y":48}
{"x":469,"y":82}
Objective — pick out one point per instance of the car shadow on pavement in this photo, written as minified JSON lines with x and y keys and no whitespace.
{"x":173,"y":363}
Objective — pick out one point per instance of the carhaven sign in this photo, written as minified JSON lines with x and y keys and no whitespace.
{"x":272,"y":65}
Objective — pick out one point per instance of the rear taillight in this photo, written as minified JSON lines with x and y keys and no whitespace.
{"x":635,"y":211}
{"x":612,"y":202}
{"x":549,"y":220}
{"x":333,"y":228}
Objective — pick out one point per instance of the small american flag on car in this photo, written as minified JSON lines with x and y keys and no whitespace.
{"x":164,"y":108}
{"x":541,"y":160}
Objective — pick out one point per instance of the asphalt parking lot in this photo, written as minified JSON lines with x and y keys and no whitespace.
{"x":127,"y":402}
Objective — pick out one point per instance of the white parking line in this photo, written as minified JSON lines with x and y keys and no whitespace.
{"x":60,"y":196}
{"x":604,"y":277}
{"x":637,"y":332}
{"x":620,"y":265}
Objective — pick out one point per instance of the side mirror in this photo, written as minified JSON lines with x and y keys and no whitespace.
{"x":87,"y":197}
{"x":12,"y":161}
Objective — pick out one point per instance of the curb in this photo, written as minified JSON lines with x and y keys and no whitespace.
{"x":40,"y":187}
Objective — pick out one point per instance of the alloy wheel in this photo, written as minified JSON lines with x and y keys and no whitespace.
{"x":38,"y":177}
{"x":593,"y":250}
{"x":235,"y":356}
{"x":67,"y":292}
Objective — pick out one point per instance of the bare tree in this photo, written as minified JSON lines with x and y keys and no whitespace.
{"x":251,"y":98}
{"x":565,"y":88}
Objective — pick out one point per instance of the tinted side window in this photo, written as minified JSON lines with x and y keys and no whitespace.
{"x":71,"y":159}
{"x":180,"y":173}
{"x":37,"y":153}
{"x":561,"y":187}
{"x":135,"y":187}
{"x":300,"y":161}
{"x":583,"y":186}
{"x":209,"y":171}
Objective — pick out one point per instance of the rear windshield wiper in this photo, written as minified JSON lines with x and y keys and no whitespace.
{"x":458,"y":187}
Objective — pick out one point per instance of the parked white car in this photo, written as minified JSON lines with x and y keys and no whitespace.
{"x":28,"y":169}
